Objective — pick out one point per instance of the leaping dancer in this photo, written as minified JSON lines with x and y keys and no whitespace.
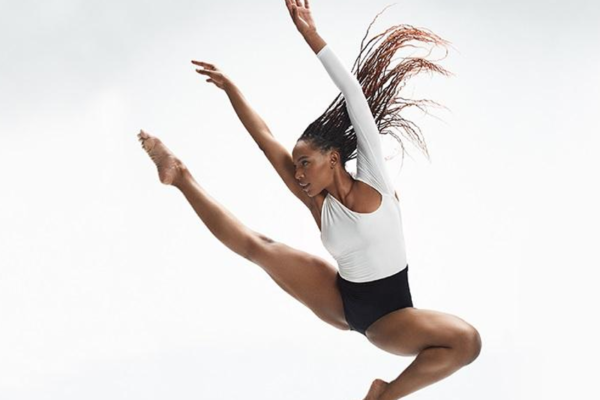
{"x":358,"y":215}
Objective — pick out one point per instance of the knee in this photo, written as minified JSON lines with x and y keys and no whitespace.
{"x":265,"y":238}
{"x":470,"y":344}
{"x":256,"y":245}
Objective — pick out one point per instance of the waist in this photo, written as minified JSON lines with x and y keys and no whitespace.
{"x":374,"y":282}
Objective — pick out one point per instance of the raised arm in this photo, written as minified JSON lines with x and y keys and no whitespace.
{"x":370,"y":162}
{"x":253,"y":123}
{"x":276,"y":153}
{"x":302,"y":17}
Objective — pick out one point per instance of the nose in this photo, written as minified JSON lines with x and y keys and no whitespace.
{"x":298,"y":175}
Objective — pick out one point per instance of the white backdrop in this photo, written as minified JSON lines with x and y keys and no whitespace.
{"x":111,"y":287}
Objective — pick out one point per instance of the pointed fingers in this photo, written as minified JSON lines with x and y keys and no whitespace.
{"x":204,"y":64}
{"x":206,"y":71}
{"x":290,"y":6}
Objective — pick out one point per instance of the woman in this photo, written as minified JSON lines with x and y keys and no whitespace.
{"x":359,"y":216}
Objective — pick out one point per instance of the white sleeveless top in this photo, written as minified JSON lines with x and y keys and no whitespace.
{"x":366,"y":246}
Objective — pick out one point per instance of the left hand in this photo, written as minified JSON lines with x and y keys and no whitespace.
{"x":301,"y":16}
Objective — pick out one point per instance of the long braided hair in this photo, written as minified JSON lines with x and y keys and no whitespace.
{"x":333,"y":129}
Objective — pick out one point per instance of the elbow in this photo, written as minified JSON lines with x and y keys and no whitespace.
{"x":355,"y":88}
{"x":350,"y":88}
{"x":348,"y":82}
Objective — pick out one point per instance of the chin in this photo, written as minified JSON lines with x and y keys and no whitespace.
{"x":312,"y":192}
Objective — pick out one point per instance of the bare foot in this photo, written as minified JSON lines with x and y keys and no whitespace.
{"x":377,"y":387}
{"x":170,"y":168}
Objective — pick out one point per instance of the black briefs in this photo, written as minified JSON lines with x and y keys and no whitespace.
{"x":366,"y":302}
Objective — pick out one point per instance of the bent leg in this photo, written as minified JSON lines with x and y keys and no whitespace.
{"x":444,"y":344}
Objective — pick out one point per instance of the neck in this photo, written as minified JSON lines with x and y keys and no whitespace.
{"x":342,"y":185}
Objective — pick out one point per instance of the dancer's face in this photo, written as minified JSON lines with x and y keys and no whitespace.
{"x":313,"y":166}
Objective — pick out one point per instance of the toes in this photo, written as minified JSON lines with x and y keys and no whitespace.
{"x":143,"y":137}
{"x":148,"y":143}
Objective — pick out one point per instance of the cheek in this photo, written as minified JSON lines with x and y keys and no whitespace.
{"x":320,"y":175}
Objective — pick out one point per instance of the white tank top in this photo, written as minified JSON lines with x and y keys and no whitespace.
{"x":366,"y":246}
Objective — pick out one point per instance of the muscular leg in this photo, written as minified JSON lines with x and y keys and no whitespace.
{"x":443,"y":344}
{"x":306,"y":277}
{"x":224,"y":225}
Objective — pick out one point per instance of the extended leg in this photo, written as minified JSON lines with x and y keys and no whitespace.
{"x":223,"y":224}
{"x":306,"y":277}
{"x":172,"y":171}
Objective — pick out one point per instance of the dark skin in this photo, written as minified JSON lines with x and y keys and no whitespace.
{"x":323,"y":170}
{"x":442,"y":343}
{"x":325,"y":173}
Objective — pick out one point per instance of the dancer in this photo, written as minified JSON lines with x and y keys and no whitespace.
{"x":359,"y":216}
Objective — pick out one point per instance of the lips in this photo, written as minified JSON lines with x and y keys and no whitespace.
{"x":305,"y":187}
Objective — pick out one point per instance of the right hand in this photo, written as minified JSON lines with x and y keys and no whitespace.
{"x":214,"y":74}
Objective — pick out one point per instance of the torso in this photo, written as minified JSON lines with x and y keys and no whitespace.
{"x":362,"y":199}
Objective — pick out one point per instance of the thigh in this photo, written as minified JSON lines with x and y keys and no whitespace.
{"x":306,"y":277}
{"x":407,"y":331}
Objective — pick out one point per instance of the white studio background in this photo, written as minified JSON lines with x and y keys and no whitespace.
{"x":111,"y":287}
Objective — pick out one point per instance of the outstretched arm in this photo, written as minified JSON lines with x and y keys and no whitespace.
{"x":341,"y":76}
{"x":302,"y":17}
{"x":370,"y":161}
{"x":278,"y":156}
{"x":253,"y":123}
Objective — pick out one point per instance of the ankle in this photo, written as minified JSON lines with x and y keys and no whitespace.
{"x":184,"y":178}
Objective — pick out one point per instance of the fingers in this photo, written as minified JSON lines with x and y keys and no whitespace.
{"x":207,"y":72}
{"x":204,"y":64}
{"x":290,"y":6}
{"x":306,"y":4}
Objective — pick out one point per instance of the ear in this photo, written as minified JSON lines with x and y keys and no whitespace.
{"x":334,"y":156}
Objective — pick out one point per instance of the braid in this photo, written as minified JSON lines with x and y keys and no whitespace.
{"x":333,"y":129}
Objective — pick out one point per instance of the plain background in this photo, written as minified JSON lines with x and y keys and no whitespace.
{"x":110,"y":286}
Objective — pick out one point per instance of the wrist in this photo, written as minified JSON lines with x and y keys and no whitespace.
{"x":229,"y":87}
{"x":314,"y":40}
{"x":309,"y":33}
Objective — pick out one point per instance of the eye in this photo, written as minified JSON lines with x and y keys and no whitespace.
{"x":304,"y":161}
